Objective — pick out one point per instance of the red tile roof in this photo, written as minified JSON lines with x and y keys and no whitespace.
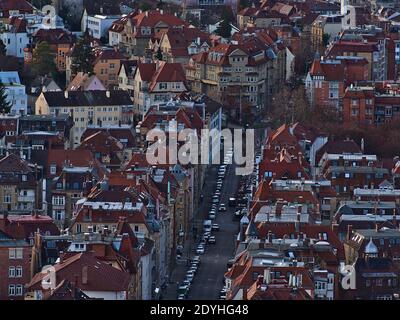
{"x":100,"y":275}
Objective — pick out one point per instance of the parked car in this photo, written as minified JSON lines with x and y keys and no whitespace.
{"x":212,"y":240}
{"x":196,"y":259}
{"x":211,"y":216}
{"x":222,"y":207}
{"x":215,"y":227}
{"x":200,"y":249}
{"x":189,"y":276}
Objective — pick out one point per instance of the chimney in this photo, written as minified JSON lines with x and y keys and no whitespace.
{"x":278,"y":209}
{"x":108,"y":93}
{"x":61,"y":257}
{"x":66,"y":94}
{"x":84,"y":275}
{"x":269,"y":237}
{"x":267,"y":276}
{"x":349,"y":231}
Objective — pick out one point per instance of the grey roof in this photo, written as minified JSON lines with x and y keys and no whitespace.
{"x":366,"y":205}
{"x":381,"y":233}
{"x":363,"y":169}
{"x":41,"y":117}
{"x":87,"y":98}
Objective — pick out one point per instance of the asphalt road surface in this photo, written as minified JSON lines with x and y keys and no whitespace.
{"x":208,"y":281}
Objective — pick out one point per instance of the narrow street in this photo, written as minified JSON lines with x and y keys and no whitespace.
{"x":208,"y":281}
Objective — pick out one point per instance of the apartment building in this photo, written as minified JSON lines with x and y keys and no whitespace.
{"x":241,"y":75}
{"x":85,"y":107}
{"x":371,"y":105}
{"x":133,"y":32}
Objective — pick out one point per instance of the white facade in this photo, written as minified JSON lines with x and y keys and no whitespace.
{"x":98,"y":25}
{"x":15,"y":91}
{"x":15,"y":43}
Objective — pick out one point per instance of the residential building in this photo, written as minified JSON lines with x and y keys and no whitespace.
{"x":133,"y":32}
{"x":107,"y":65}
{"x":85,"y":108}
{"x":349,"y":171}
{"x":15,"y":37}
{"x":18,"y":184}
{"x":243,"y":75}
{"x":157,"y":82}
{"x":84,"y":82}
{"x":14,"y":267}
{"x":328,"y":79}
{"x":15,"y":91}
{"x":371,"y":105}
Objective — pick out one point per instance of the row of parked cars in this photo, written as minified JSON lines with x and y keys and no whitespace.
{"x":184,"y":286}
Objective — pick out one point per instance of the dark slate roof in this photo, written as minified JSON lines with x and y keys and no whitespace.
{"x":87,"y":98}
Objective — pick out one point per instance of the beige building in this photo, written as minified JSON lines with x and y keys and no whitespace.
{"x":85,"y":107}
{"x":133,"y":32}
{"x":242,"y":75}
{"x":155,"y":83}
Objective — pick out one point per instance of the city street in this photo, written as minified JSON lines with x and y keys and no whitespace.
{"x":208,"y":281}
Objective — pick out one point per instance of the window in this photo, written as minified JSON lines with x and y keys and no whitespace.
{"x":11,"y":272}
{"x":18,"y":253}
{"x":19,"y":290}
{"x":163,"y":85}
{"x":58,"y":200}
{"x":136,"y":228}
{"x":7,"y":198}
{"x":11,"y":290}
{"x":379,"y":282}
{"x":53,"y":169}
{"x":24,"y":177}
{"x":18,"y":272}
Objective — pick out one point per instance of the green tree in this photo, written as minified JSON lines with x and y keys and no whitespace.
{"x":159,"y":55}
{"x":145,"y":6}
{"x":224,"y":29}
{"x":43,"y":60}
{"x":5,"y":105}
{"x":82,"y":56}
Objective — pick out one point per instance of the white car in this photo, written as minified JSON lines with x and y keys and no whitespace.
{"x":200,"y":250}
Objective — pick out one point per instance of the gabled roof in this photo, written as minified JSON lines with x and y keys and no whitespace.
{"x":100,"y":275}
{"x":82,"y":81}
{"x":165,"y":72}
{"x":13,"y":163}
